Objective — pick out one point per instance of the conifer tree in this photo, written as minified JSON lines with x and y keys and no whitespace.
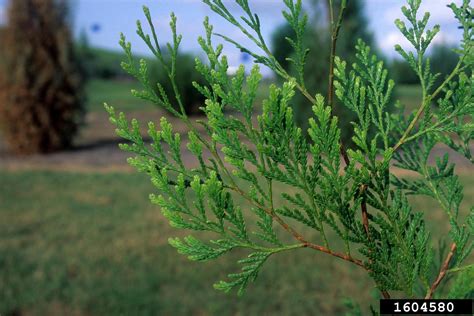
{"x":258,"y":182}
{"x":40,"y":96}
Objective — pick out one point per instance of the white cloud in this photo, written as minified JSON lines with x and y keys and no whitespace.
{"x":232,"y":70}
{"x":445,"y":38}
{"x":388,"y":35}
{"x":388,"y":42}
{"x":439,"y":12}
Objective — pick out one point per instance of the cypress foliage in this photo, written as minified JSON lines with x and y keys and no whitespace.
{"x":352,"y":193}
{"x":41,"y":88}
{"x":318,"y":40}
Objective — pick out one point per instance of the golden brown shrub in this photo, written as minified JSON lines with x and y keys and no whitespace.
{"x":40,"y":86}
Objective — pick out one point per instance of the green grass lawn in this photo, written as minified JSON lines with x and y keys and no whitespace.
{"x":409,"y":95}
{"x":92,"y":244}
{"x":116,"y":93}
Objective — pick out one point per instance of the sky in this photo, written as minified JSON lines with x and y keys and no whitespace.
{"x":103,"y":20}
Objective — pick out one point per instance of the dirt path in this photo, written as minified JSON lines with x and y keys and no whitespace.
{"x":97,"y":149}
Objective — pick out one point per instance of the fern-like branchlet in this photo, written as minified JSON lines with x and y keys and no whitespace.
{"x":242,"y":164}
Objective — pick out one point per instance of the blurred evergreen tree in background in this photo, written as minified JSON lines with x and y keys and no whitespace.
{"x":443,"y":61}
{"x":41,"y":86}
{"x":98,"y":63}
{"x":402,"y":72}
{"x":185,"y":75}
{"x":102,"y":64}
{"x":317,"y":37}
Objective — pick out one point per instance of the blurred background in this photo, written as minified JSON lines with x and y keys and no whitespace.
{"x":78,"y":235}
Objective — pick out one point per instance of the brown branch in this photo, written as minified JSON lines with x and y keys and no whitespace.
{"x":343,"y":152}
{"x":297,"y":235}
{"x":318,"y":247}
{"x":346,"y":257}
{"x":283,"y":224}
{"x":442,"y":272}
{"x":302,"y":240}
{"x":331,"y":71}
{"x":335,"y":254}
{"x":365,"y":222}
{"x":365,"y":218}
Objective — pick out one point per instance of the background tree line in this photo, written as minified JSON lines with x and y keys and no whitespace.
{"x":43,"y":71}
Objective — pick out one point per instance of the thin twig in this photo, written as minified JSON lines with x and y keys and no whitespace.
{"x":297,"y":235}
{"x":335,"y":254}
{"x":334,"y":35}
{"x":335,"y":28}
{"x":454,"y":270}
{"x":442,"y":272}
{"x":426,"y":102}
